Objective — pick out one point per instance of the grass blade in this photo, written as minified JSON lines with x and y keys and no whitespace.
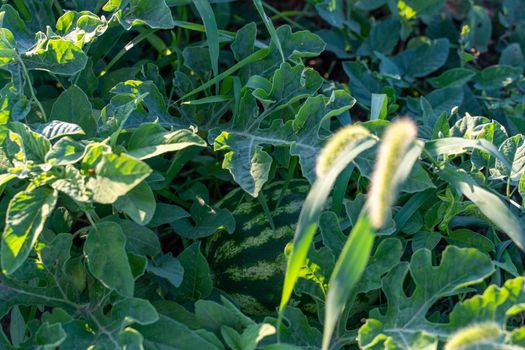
{"x":254,"y":57}
{"x":490,"y":204}
{"x":347,"y":272}
{"x":227,"y":35}
{"x":312,"y":208}
{"x":269,"y":26}
{"x":208,"y":99}
{"x":212,"y":32}
{"x":458,"y":145}
{"x":397,"y":154}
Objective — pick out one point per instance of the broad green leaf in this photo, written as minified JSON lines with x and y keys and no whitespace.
{"x":150,"y":140}
{"x":362,"y":82}
{"x":388,"y":253}
{"x":443,"y":101}
{"x":521,"y":184}
{"x":130,"y":338}
{"x":496,"y":77}
{"x":35,"y":145}
{"x":8,"y":52}
{"x":243,"y":138}
{"x":213,"y":316}
{"x":73,"y":106}
{"x":496,"y":304}
{"x":480,"y":28}
{"x":470,"y":239}
{"x":490,"y":204}
{"x":197,"y":59}
{"x":333,"y":237}
{"x":10,"y":20}
{"x":453,"y":78}
{"x":379,"y":107}
{"x":369,"y":4}
{"x":82,"y":337}
{"x":115,"y":175}
{"x":169,"y":268}
{"x":295,"y":45}
{"x":513,"y":149}
{"x":56,"y":129}
{"x":50,"y":336}
{"x":244,"y":43}
{"x":139,"y":204}
{"x":300,"y":44}
{"x":331,"y":11}
{"x":468,"y":126}
{"x":139,"y":239}
{"x":154,"y":13}
{"x":81,"y":28}
{"x":208,"y":220}
{"x":65,"y":151}
{"x":12,"y":152}
{"x":166,"y":214}
{"x":299,"y":331}
{"x":405,"y":323}
{"x":25,"y":220}
{"x":17,"y":327}
{"x":307,"y":125}
{"x":423,"y":60}
{"x":56,"y":252}
{"x":496,"y":134}
{"x":169,"y":334}
{"x":197,"y":283}
{"x":289,"y":84}
{"x":512,"y":55}
{"x":61,"y":220}
{"x":481,"y":321}
{"x":250,"y":165}
{"x":135,"y":102}
{"x":383,"y":37}
{"x":14,"y":105}
{"x":107,"y":259}
{"x":254,"y":334}
{"x":73,"y":184}
{"x":418,"y":180}
{"x":135,"y":310}
{"x":16,"y":293}
{"x":58,"y":56}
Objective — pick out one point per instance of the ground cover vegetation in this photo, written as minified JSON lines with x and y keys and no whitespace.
{"x":279,"y":175}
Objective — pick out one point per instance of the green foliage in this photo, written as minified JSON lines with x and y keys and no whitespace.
{"x":165,"y":167}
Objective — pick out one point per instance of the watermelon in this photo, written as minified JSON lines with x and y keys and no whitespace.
{"x":249,"y":264}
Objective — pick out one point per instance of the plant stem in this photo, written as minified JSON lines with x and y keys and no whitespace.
{"x":31,"y":90}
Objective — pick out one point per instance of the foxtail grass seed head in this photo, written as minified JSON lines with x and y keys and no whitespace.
{"x":395,"y":143}
{"x":338,"y":143}
{"x":472,"y":335}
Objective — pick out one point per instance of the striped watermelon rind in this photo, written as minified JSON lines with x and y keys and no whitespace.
{"x":249,"y":264}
